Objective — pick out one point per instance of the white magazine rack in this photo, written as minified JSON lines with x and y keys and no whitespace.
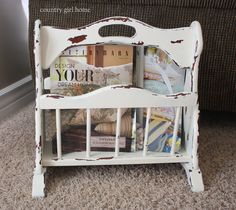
{"x":183,"y":45}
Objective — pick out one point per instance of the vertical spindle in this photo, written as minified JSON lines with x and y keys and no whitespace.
{"x":195,"y":137}
{"x":118,"y":122}
{"x":88,"y":133}
{"x":146,"y":131}
{"x":175,"y":132}
{"x":139,"y":69}
{"x":58,"y":127}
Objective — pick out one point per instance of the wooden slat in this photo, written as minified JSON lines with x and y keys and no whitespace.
{"x":88,"y":133}
{"x":125,"y":97}
{"x":194,"y":138}
{"x":107,"y":158}
{"x":175,"y":132}
{"x":139,"y":68}
{"x":118,"y":124}
{"x":146,"y":131}
{"x":58,"y":127}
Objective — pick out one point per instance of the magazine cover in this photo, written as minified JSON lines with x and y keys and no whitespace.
{"x":83,"y":69}
{"x":162,"y":76}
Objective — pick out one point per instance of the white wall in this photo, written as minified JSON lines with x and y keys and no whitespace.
{"x":14,"y":57}
{"x":16,"y":87}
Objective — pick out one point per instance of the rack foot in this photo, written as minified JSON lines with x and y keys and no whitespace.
{"x":38,"y":185}
{"x":194,"y":177}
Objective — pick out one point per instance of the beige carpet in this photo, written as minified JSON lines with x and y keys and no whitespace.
{"x":119,"y":187}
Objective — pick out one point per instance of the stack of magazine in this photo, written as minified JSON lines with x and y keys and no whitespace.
{"x":82,"y":69}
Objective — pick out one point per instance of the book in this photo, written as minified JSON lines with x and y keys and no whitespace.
{"x":74,"y":140}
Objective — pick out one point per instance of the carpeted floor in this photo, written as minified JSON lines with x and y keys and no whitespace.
{"x":119,"y":187}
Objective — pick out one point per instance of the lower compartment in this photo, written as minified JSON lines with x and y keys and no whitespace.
{"x":108,"y":158}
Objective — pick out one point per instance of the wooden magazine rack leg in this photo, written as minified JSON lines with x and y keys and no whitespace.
{"x":192,"y":169}
{"x":38,"y":178}
{"x":38,"y":189}
{"x":194,"y":177}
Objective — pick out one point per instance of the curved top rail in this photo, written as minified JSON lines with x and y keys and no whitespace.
{"x":178,"y":43}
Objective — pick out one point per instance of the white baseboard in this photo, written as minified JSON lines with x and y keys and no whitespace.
{"x":15,"y":96}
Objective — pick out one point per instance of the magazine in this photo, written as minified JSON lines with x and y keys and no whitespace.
{"x":162,"y":76}
{"x":82,"y":69}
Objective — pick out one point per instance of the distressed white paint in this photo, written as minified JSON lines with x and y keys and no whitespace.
{"x":58,"y":128}
{"x":122,"y":159}
{"x":118,"y":121}
{"x":175,"y":132}
{"x":38,"y":184}
{"x":184,"y":46}
{"x":88,"y":133}
{"x":107,"y":158}
{"x":56,"y":40}
{"x":146,"y":131}
{"x":139,"y":69}
{"x":38,"y":178}
{"x":188,"y":127}
{"x":198,"y":45}
{"x":194,"y":177}
{"x":195,"y":138}
{"x":124,"y":97}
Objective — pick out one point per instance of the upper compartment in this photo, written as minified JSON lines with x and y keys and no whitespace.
{"x":181,"y":44}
